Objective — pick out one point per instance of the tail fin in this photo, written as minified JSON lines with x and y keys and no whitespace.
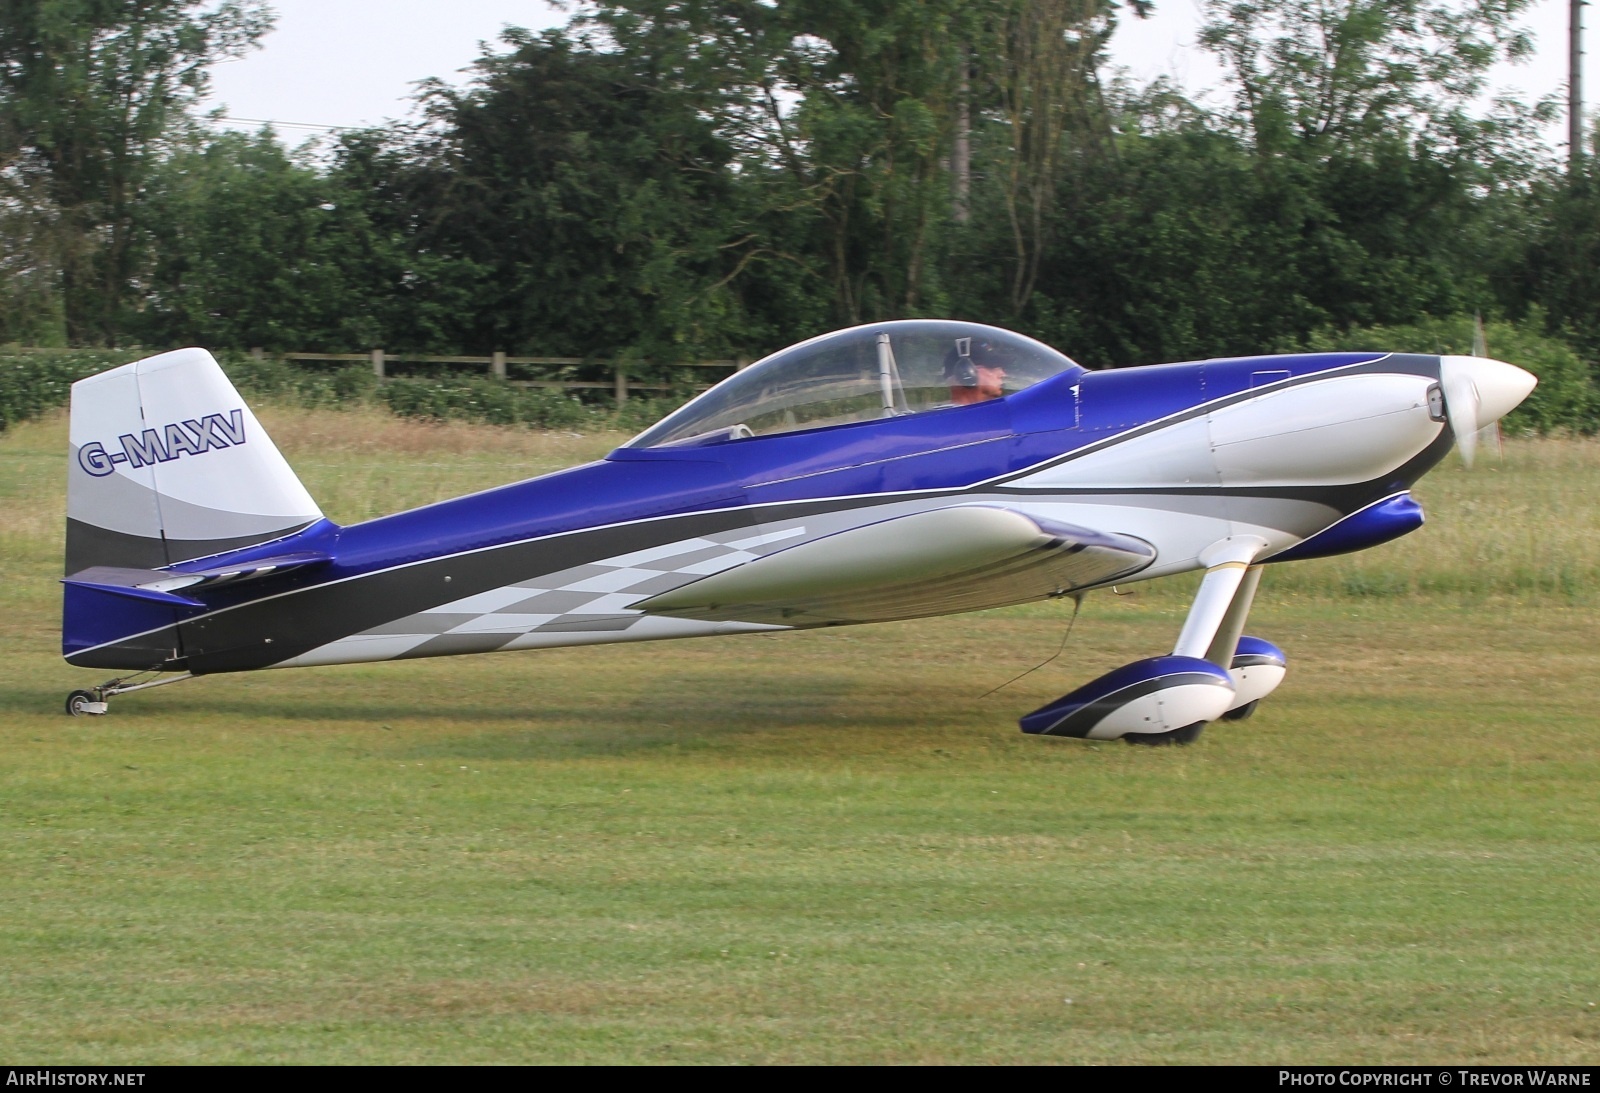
{"x":168,"y":464}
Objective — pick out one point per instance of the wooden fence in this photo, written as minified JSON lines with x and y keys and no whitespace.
{"x":496,"y":363}
{"x":619,"y":384}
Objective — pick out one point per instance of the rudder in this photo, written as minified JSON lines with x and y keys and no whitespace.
{"x":168,"y":464}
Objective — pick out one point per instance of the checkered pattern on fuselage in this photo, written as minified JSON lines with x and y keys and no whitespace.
{"x":589,"y":598}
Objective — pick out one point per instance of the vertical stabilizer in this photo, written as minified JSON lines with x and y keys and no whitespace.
{"x":168,"y":463}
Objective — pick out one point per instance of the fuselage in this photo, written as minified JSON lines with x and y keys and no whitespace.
{"x":1287,"y":448}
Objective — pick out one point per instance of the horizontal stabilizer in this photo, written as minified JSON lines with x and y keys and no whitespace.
{"x":163,"y":585}
{"x":138,"y":584}
{"x":961,"y":558}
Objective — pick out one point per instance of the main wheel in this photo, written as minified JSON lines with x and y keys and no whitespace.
{"x":1186,"y":735}
{"x":1241,"y":713}
{"x":78,"y":703}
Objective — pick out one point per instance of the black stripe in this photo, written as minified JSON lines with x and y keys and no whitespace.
{"x":90,"y":545}
{"x":237,"y":639}
{"x":1082,"y":721}
{"x":142,"y":652}
{"x":1254,"y":659}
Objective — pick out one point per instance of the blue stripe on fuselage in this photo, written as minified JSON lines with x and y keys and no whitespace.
{"x":948,"y":449}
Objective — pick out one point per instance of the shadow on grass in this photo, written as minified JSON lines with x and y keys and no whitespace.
{"x":690,"y":711}
{"x":602,"y":740}
{"x":696,"y":713}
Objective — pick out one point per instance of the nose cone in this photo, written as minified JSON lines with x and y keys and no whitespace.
{"x":1487,"y":389}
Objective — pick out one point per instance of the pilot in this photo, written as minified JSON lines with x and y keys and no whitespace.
{"x":975,"y":372}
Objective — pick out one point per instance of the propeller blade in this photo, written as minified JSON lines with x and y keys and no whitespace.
{"x":1477,"y":393}
{"x":1489,"y":440}
{"x":1461,"y":406}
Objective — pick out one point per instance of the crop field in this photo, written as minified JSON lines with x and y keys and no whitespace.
{"x":824,"y":847}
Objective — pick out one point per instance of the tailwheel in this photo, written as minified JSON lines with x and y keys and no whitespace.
{"x":85,"y":704}
{"x":1186,"y":735}
{"x":95,"y":703}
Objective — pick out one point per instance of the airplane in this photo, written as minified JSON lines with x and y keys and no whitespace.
{"x":889,"y":471}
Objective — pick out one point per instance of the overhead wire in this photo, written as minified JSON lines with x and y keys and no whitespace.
{"x":291,"y":124}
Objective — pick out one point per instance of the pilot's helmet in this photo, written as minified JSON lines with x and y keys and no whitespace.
{"x":966,"y":356}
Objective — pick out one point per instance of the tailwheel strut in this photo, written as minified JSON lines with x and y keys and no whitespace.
{"x":96,"y":701}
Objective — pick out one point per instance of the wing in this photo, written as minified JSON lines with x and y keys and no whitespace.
{"x":961,"y":558}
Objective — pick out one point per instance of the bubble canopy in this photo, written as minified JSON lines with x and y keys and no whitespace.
{"x":865,"y":373}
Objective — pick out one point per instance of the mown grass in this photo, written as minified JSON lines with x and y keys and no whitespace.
{"x":1525,"y":524}
{"x":822,"y":847}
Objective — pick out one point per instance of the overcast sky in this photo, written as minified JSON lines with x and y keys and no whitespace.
{"x":355,"y":62}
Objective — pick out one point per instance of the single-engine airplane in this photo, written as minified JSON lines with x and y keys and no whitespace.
{"x":888,"y":471}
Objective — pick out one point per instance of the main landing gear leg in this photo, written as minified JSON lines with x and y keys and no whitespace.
{"x":96,"y":702}
{"x":1256,"y":667}
{"x":1168,"y":700}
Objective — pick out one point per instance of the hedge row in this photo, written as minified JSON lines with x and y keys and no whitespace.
{"x":36,"y":383}
{"x":1566,"y":400}
{"x":32,"y":383}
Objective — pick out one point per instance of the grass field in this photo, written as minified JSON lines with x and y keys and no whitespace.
{"x":823,"y":847}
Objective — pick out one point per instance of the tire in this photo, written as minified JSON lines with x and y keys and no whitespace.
{"x":1186,"y":735}
{"x":1242,"y":713}
{"x":77,"y":702}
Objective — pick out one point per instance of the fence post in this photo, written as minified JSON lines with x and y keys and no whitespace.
{"x":257,"y":353}
{"x":622,"y":386}
{"x":740,"y":362}
{"x":377,"y":363}
{"x":497,"y":366}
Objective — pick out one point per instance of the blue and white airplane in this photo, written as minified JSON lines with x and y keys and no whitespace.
{"x":889,"y":471}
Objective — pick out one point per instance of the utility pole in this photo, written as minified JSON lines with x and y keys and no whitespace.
{"x":1575,"y":88}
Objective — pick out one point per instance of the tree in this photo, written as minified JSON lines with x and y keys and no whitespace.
{"x":1340,"y":73}
{"x":1045,"y":78}
{"x":595,"y":194}
{"x":29,"y":303}
{"x":1562,"y":267}
{"x":859,"y":122}
{"x":1351,"y":186}
{"x":91,"y":91}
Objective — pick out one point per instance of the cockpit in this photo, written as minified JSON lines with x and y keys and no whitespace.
{"x":866,"y":373}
